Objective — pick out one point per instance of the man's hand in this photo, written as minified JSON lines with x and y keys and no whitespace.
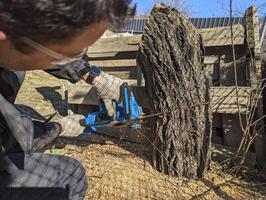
{"x":71,"y":126}
{"x":108,"y":88}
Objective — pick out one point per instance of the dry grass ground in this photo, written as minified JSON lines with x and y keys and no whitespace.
{"x":119,"y":170}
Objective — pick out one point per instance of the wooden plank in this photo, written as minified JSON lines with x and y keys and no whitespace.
{"x":127,"y":68}
{"x":101,"y":54}
{"x":115,"y":63}
{"x":223,"y":99}
{"x":116,"y":44}
{"x":221,"y":36}
{"x":118,"y":69}
{"x":124,"y":74}
{"x":252,"y":28}
{"x":109,"y":47}
{"x":113,"y":55}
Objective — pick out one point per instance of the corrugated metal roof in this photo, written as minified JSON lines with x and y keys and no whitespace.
{"x":216,"y":22}
{"x":137,"y":25}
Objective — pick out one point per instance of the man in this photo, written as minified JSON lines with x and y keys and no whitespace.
{"x":49,"y":35}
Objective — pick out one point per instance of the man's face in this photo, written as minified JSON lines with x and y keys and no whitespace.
{"x":11,"y":58}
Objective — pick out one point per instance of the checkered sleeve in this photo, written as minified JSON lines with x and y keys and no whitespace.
{"x":73,"y":72}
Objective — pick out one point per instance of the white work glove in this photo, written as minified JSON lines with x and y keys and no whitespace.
{"x":71,"y":126}
{"x":108,"y":88}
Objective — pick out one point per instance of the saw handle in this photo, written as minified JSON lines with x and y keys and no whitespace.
{"x":125,"y":96}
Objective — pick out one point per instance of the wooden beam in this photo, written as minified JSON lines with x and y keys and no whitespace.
{"x":253,"y":40}
{"x":116,"y":44}
{"x":224,"y":100}
{"x":101,"y":54}
{"x":252,"y":27}
{"x":130,"y":74}
{"x":221,"y":36}
{"x":109,"y":47}
{"x":115,"y":63}
{"x":112,"y":56}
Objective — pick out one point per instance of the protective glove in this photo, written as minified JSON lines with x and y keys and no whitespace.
{"x":108,"y":88}
{"x":71,"y":126}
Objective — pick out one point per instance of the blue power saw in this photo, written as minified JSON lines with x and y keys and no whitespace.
{"x":128,"y":113}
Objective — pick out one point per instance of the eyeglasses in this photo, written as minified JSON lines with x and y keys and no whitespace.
{"x":60,"y":59}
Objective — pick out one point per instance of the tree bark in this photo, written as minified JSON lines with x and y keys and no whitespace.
{"x":171,"y":57}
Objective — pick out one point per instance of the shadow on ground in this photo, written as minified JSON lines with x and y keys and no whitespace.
{"x":143,"y":151}
{"x":51,"y":94}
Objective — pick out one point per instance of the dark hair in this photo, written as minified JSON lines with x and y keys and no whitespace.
{"x":55,"y":20}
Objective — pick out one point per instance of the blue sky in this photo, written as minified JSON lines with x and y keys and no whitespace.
{"x":209,"y":8}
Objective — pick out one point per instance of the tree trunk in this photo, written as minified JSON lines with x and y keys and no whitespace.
{"x":171,"y":59}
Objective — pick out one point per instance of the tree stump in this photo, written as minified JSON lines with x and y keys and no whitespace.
{"x":171,"y":57}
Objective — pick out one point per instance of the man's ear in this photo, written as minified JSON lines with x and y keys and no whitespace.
{"x":2,"y":35}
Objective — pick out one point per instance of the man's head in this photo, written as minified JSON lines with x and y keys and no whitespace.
{"x":64,"y":26}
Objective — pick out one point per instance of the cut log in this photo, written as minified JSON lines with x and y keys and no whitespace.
{"x":171,"y":58}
